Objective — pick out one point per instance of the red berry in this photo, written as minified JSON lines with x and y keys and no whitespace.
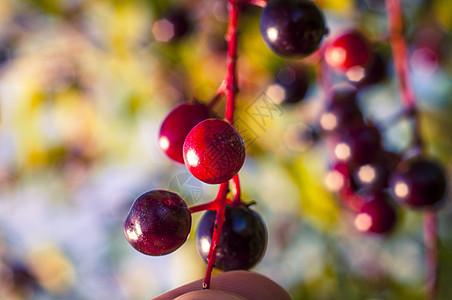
{"x":376,"y":216}
{"x":158,"y":223}
{"x":243,"y":238}
{"x":177,"y":125}
{"x":348,"y":50}
{"x":214,"y":151}
{"x":419,"y":182}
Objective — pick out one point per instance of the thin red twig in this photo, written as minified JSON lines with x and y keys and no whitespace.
{"x":221,"y":207}
{"x":231,"y":76}
{"x":409,"y":102}
{"x":212,"y":205}
{"x":220,"y":92}
{"x":399,"y":51}
{"x":431,"y":254}
{"x":398,"y":45}
{"x":231,"y":91}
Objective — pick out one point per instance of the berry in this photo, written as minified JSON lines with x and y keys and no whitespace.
{"x":377,"y":215}
{"x":243,"y":238}
{"x":294,"y":81}
{"x":158,"y":223}
{"x":174,"y":25}
{"x":214,"y":151}
{"x":292,"y":28}
{"x":348,"y":50}
{"x":375,"y":176}
{"x":177,"y":125}
{"x":419,"y":182}
{"x":359,"y":145}
{"x":374,"y":72}
{"x":342,"y":111}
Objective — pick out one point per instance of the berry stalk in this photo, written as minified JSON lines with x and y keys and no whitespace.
{"x":217,"y":97}
{"x":398,"y":45}
{"x":221,"y":207}
{"x":231,"y":75}
{"x":212,"y":205}
{"x":409,"y":102}
{"x":231,"y":92}
{"x":431,"y":255}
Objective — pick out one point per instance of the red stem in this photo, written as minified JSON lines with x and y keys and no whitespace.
{"x":217,"y":97}
{"x":431,"y":254}
{"x":409,"y":102}
{"x":220,"y":200}
{"x":231,"y":75}
{"x":212,"y":205}
{"x":398,"y":45}
{"x":231,"y":91}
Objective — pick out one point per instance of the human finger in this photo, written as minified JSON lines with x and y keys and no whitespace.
{"x":249,"y":285}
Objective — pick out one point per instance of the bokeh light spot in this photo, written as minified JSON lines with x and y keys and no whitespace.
{"x":363,"y":222}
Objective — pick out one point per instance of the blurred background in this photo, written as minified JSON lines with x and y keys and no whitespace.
{"x":84,"y":87}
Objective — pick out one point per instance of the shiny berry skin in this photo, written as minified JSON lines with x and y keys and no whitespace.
{"x":359,"y":145}
{"x":294,"y":80}
{"x":292,"y":28}
{"x":348,"y":50}
{"x":377,"y":215}
{"x":419,"y":183}
{"x":214,"y":151}
{"x":342,"y":111}
{"x":158,"y":223}
{"x":243,"y":238}
{"x":177,"y":125}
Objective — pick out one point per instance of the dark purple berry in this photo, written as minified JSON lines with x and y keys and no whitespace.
{"x":243,"y":238}
{"x":294,"y":81}
{"x":173,"y":25}
{"x":177,"y":125}
{"x":377,"y":215}
{"x":158,"y":223}
{"x":375,"y":176}
{"x":292,"y":28}
{"x":419,"y":182}
{"x":342,"y":111}
{"x":374,"y":72}
{"x":359,"y":145}
{"x":214,"y":151}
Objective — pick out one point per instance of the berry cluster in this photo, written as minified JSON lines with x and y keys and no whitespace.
{"x":365,"y":175}
{"x":230,"y":235}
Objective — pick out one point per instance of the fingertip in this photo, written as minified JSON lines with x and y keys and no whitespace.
{"x":246,"y":284}
{"x":210,"y":294}
{"x":250,"y":285}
